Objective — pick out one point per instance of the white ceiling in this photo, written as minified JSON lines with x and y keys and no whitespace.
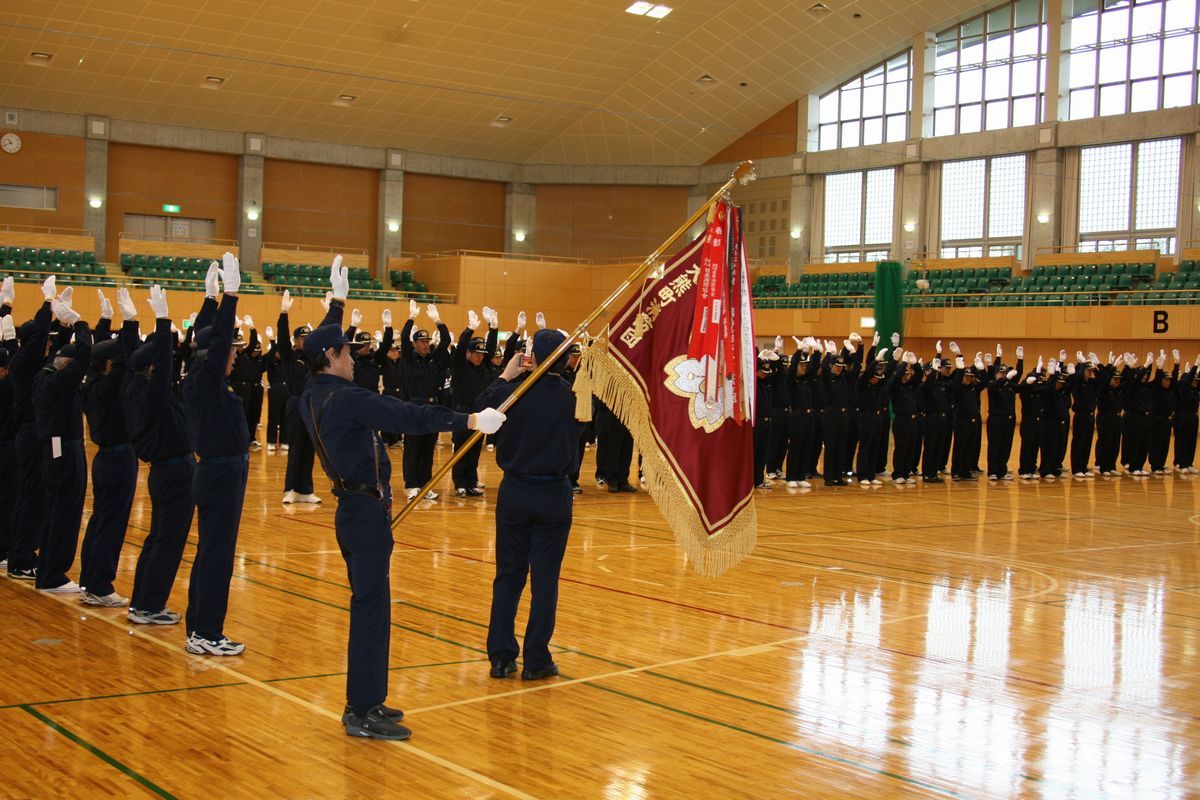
{"x":583,"y":81}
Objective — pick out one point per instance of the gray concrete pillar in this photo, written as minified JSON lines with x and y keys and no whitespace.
{"x":910,"y":221}
{"x":520,"y":209}
{"x":250,"y":211}
{"x":390,"y":237}
{"x":920,"y":115}
{"x":799,"y":211}
{"x":95,"y":192}
{"x":1189,"y":214}
{"x":1045,"y":202}
{"x":1058,"y":60}
{"x":696,"y":197}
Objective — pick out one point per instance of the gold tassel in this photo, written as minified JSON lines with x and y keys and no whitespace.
{"x":583,"y":388}
{"x":709,"y":555}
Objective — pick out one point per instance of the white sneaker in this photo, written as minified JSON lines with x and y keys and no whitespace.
{"x":804,"y":484}
{"x":1080,"y":475}
{"x":164,"y":617}
{"x":431,"y":495}
{"x":221,"y":647}
{"x":409,"y":494}
{"x":289,"y":497}
{"x":491,"y":447}
{"x":270,"y":448}
{"x":283,"y":447}
{"x":4,"y":564}
{"x":864,"y":482}
{"x":793,"y":484}
{"x":307,"y":498}
{"x":254,"y":445}
{"x":877,"y":482}
{"x":1051,"y":477}
{"x":993,"y":478}
{"x":70,"y":587}
{"x":113,"y":600}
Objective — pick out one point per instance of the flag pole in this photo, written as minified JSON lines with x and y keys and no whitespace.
{"x":744,"y":173}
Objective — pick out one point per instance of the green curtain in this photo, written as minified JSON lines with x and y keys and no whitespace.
{"x":889,"y":301}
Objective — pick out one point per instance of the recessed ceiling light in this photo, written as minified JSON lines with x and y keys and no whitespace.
{"x":38,"y":58}
{"x":501,"y":121}
{"x":658,"y":12}
{"x":211,"y":82}
{"x":639,"y":8}
{"x":819,"y":9}
{"x":344,"y":100}
{"x":706,"y":81}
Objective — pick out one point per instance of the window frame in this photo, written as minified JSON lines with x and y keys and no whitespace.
{"x":988,"y":245}
{"x":864,"y":250}
{"x":858,"y":83}
{"x":1132,"y":237}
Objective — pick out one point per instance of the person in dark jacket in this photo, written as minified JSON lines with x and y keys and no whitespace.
{"x":1002,"y":414}
{"x":1165,"y":401}
{"x":906,"y":426}
{"x":1108,"y":418}
{"x":873,"y":398}
{"x":800,"y":386}
{"x":1084,"y":385}
{"x":297,"y":479}
{"x":246,"y":378}
{"x":424,"y":376}
{"x":967,"y":384}
{"x":766,"y":406}
{"x":470,"y":374}
{"x":1186,"y":420}
{"x":277,"y":396}
{"x":838,"y":373}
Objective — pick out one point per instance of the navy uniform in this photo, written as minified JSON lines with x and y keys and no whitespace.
{"x":58,"y":413}
{"x":369,"y":362}
{"x":1031,"y":423}
{"x":424,"y":377}
{"x":873,"y":396}
{"x":157,"y":425}
{"x":344,"y":420}
{"x":217,"y":424}
{"x":767,"y":406}
{"x":1108,"y":420}
{"x":533,"y":512}
{"x":29,"y":509}
{"x":938,"y":411}
{"x":906,"y":429}
{"x":1185,"y":420}
{"x":246,"y":380}
{"x":298,"y":476}
{"x":467,"y":380}
{"x":799,"y":386}
{"x":838,"y":387}
{"x":8,"y":430}
{"x":114,"y":471}
{"x":1085,"y":391}
{"x":1002,"y":419}
{"x":391,"y":373}
{"x":277,"y":397}
{"x":966,"y":387}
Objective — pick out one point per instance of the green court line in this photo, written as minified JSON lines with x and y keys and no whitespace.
{"x":125,"y":694}
{"x":98,"y":753}
{"x":790,"y":745}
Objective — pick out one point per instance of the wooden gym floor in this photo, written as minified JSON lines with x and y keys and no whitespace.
{"x":941,"y":641}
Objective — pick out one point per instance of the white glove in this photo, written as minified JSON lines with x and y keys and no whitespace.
{"x":8,"y":328}
{"x":937,"y":364}
{"x":65,"y":314}
{"x":849,"y":345}
{"x":881,"y":355}
{"x":1079,"y":359}
{"x":1149,"y":359}
{"x":1070,"y":369}
{"x":540,"y":320}
{"x":960,"y":362}
{"x":978,"y":363}
{"x":1031,"y":379}
{"x":66,"y":295}
{"x":231,"y":273}
{"x":49,"y":291}
{"x":339,"y":279}
{"x":999,"y":350}
{"x":1095,"y":359}
{"x":285,"y":302}
{"x":158,"y":301}
{"x":1052,"y":366}
{"x":1039,"y":364}
{"x":799,"y":344}
{"x":1020,"y":351}
{"x":1196,"y":363}
{"x":1130,"y":360}
{"x":854,"y":337}
{"x":1162,"y":361}
{"x":247,"y":322}
{"x":355,"y":318}
{"x":778,"y":343}
{"x":386,"y":318}
{"x":897,"y":354}
{"x":1175,"y":355}
{"x":1062,"y":355}
{"x":954,"y":349}
{"x":1111,"y":358}
{"x":1012,"y":373}
{"x":875,"y":339}
{"x":7,"y":291}
{"x":237,"y":323}
{"x":490,"y":317}
{"x":978,"y":356}
{"x":125,"y":302}
{"x":270,"y":334}
{"x":938,"y":347}
{"x":432,"y":312}
{"x":830,"y":348}
{"x":472,"y":320}
{"x":895,"y":340}
{"x":489,"y":420}
{"x":413,"y":309}
{"x":192,"y":319}
{"x":105,"y":306}
{"x":910,"y":357}
{"x":436,"y":338}
{"x":211,"y":285}
{"x":987,"y":359}
{"x":521,"y":321}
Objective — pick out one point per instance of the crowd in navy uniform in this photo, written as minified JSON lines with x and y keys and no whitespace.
{"x":836,"y":413}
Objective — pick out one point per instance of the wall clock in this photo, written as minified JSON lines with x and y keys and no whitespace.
{"x":10,"y":142}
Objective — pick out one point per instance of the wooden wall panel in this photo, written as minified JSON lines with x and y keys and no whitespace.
{"x":606,"y":221}
{"x":49,"y":241}
{"x":320,"y":206}
{"x":776,"y":136}
{"x":46,"y":160}
{"x":320,"y":257}
{"x":442,"y":214}
{"x":141,"y":179}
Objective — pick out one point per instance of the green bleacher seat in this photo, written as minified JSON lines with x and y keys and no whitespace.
{"x":1187,"y":266}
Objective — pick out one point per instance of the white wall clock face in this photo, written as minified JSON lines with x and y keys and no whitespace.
{"x":10,"y":142}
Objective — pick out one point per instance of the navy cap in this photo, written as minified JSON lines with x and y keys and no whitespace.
{"x":362,"y":337}
{"x":303,"y":330}
{"x":545,"y":342}
{"x":421,"y":334}
{"x":205,"y":334}
{"x":477,"y":345}
{"x":140,"y":359}
{"x":325,"y":337}
{"x":67,"y":351}
{"x":108,"y":350}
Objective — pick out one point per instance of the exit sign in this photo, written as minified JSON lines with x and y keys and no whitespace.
{"x":170,"y":208}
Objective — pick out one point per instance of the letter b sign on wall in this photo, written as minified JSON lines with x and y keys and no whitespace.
{"x":1160,"y":322}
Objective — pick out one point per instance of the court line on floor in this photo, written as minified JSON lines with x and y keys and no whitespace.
{"x":70,"y":735}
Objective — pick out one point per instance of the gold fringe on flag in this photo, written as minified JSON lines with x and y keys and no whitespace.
{"x":709,"y":555}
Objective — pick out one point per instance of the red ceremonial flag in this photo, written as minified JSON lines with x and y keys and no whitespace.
{"x":697,"y":457}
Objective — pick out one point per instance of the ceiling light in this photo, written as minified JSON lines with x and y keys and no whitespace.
{"x":519,"y":235}
{"x":795,"y":233}
{"x":95,"y":202}
{"x":501,"y":121}
{"x":1043,"y":218}
{"x":658,"y":12}
{"x":819,"y":9}
{"x":393,"y":227}
{"x":38,"y":58}
{"x":706,"y":81}
{"x":252,"y":213}
{"x":639,"y":8}
{"x":211,"y":82}
{"x":344,"y":100}
{"x":910,"y":226}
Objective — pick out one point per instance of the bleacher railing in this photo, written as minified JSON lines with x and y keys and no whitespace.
{"x":1106,"y":298}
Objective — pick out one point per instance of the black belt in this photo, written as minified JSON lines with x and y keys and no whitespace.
{"x":176,"y":459}
{"x":351,"y":487}
{"x":114,"y":448}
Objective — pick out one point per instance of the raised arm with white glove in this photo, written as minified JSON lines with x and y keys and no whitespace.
{"x":895,"y":340}
{"x":432,"y":312}
{"x":63,"y":312}
{"x":49,"y":290}
{"x":339,"y":279}
{"x":540,"y":320}
{"x":212,"y":285}
{"x":413,"y":309}
{"x":285,"y":302}
{"x":158,"y":302}
{"x":106,"y":308}
{"x":472,"y":320}
{"x":778,"y":343}
{"x":488,"y":421}
{"x":231,"y":273}
{"x":126,"y":304}
{"x":8,"y":291}
{"x":355,"y":318}
{"x":386,"y":318}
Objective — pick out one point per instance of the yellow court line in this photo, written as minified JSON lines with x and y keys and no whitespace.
{"x":211,"y":663}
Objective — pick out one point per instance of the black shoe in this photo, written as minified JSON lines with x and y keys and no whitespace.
{"x":27,"y":574}
{"x":503,"y":667}
{"x":551,"y":671}
{"x":375,"y":725}
{"x":626,"y":487}
{"x":576,"y":489}
{"x":934,"y":480}
{"x":612,"y":488}
{"x":390,"y":714}
{"x":474,"y":492}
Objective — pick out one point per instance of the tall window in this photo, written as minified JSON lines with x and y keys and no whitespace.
{"x":859,"y":209}
{"x":990,"y":71}
{"x":1131,"y":55}
{"x":983,"y":206}
{"x":1128,"y":196}
{"x":870,"y":109}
